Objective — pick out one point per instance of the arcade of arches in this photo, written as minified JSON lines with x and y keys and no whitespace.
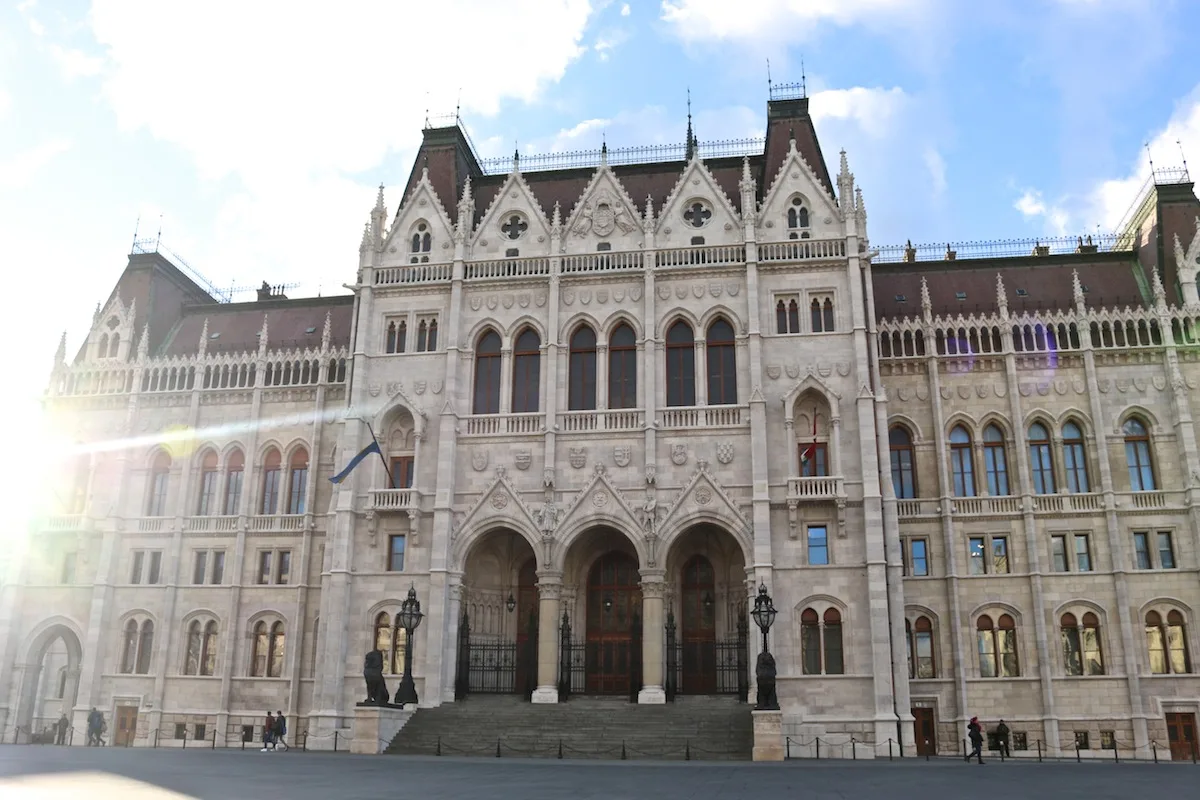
{"x":605,"y":624}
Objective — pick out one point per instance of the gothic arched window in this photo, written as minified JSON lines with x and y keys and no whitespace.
{"x":581,"y":369}
{"x":1041,"y":459}
{"x":487,"y":374}
{"x":904,"y":472}
{"x":622,"y":368}
{"x":962,"y":462}
{"x":1137,"y":456}
{"x":681,"y":365}
{"x":722,"y":364}
{"x":527,"y":361}
{"x":1075,"y":459}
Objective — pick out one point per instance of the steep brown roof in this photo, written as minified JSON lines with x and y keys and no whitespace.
{"x":1110,"y":279}
{"x":234,"y":327}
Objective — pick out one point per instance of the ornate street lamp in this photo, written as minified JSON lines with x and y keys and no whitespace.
{"x":764,"y":613}
{"x":608,"y":602}
{"x":510,"y":603}
{"x":409,"y":617}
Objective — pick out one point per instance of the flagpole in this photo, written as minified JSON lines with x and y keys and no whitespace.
{"x":386,"y":469}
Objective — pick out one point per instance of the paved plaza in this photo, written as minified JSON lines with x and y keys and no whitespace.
{"x":49,"y":772}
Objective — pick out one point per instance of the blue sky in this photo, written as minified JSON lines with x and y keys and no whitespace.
{"x":258,"y":131}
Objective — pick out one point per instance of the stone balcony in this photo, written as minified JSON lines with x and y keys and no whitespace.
{"x":1044,"y":504}
{"x":390,"y":501}
{"x":816,"y":489}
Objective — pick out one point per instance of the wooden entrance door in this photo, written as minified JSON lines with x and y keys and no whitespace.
{"x":924,"y":731}
{"x":1181,"y":733}
{"x":613,"y":602}
{"x":527,"y":622}
{"x":126,"y":726}
{"x":698,"y":604}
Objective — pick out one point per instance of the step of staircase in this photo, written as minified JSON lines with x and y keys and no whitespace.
{"x":699,"y":727}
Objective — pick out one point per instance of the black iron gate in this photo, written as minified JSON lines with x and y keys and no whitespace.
{"x":488,"y":665}
{"x":728,"y":657}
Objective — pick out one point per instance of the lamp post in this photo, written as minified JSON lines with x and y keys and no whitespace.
{"x":410,"y":617}
{"x":510,"y":603}
{"x":764,"y":613}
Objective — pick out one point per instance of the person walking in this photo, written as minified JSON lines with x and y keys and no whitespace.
{"x":268,"y":732}
{"x":93,"y":728}
{"x":975,"y":734}
{"x":1002,"y":739}
{"x":280,"y":730}
{"x":60,"y":729}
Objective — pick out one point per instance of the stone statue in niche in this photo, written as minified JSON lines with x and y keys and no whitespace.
{"x":546,"y":517}
{"x":377,"y":692}
{"x":649,"y":513}
{"x":764,"y":672}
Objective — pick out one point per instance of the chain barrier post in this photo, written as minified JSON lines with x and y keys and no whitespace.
{"x":1078,"y":759}
{"x":214,"y":747}
{"x":439,"y":746}
{"x":853,"y":749}
{"x":335,"y":741}
{"x":560,"y":749}
{"x":185,"y":739}
{"x":687,"y":750}
{"x":497,"y":748}
{"x":1116,"y":757}
{"x":156,"y":738}
{"x":622,"y":749}
{"x":787,"y":744}
{"x":1154,"y":750}
{"x":304,"y":742}
{"x":927,"y":749}
{"x":1039,"y":744}
{"x":889,"y":748}
{"x":818,"y":748}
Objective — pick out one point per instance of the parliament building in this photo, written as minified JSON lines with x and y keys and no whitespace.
{"x":615,"y":393}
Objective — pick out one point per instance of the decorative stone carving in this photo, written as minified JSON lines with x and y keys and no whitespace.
{"x":568,"y":297}
{"x":714,"y":289}
{"x":599,"y":498}
{"x":664,"y":292}
{"x":843,"y":368}
{"x":681,"y":291}
{"x":792,"y":370}
{"x":651,"y":474}
{"x":546,"y":517}
{"x":619,"y":295}
{"x":635,"y":293}
{"x":774,"y":371}
{"x":1160,"y":382}
{"x":585,"y":296}
{"x":377,"y":691}
{"x":492,"y":302}
{"x":697,"y":290}
{"x":374,"y":389}
{"x":394,"y":388}
{"x":507,"y":301}
{"x":419,"y":387}
{"x":522,"y":458}
{"x":964,"y":392}
{"x":548,"y":477}
{"x":500,"y":500}
{"x":724,"y":452}
{"x":622,"y":455}
{"x":703,"y":496}
{"x":479,"y":459}
{"x":649,"y":513}
{"x":602,"y":214}
{"x":436,"y":385}
{"x":540,"y":300}
{"x":476,"y":302}
{"x":523,"y":300}
{"x":577,"y":456}
{"x":981,"y":390}
{"x":679,"y":454}
{"x":602,"y":296}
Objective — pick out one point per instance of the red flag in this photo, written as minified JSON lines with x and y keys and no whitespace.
{"x":809,"y":451}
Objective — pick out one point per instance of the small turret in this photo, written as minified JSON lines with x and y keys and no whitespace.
{"x":327,"y":331}
{"x":556,"y":220}
{"x":262,"y":337}
{"x":60,"y":355}
{"x":648,"y":217}
{"x":378,"y":218}
{"x":1077,"y":291}
{"x":845,"y":181}
{"x":926,"y":303}
{"x":203,"y":348}
{"x":1001,"y":296}
{"x":466,"y":212}
{"x":1160,"y":294}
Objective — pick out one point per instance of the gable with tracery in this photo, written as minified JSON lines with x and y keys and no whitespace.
{"x":697,"y":212}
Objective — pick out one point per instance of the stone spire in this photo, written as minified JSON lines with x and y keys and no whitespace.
{"x":366,"y":238}
{"x":1160,"y":294}
{"x":143,"y":351}
{"x":792,"y":140}
{"x":1001,"y":296}
{"x":926,"y":303}
{"x":556,"y":220}
{"x":845,"y":182}
{"x":690,"y":152}
{"x":96,"y":313}
{"x":466,"y":212}
{"x":327,"y":331}
{"x":378,"y":218}
{"x":204,"y":338}
{"x":60,"y":355}
{"x":603,"y":153}
{"x":748,"y":188}
{"x":262,"y":337}
{"x":648,"y":217}
{"x":1077,"y":291}
{"x":861,"y":209}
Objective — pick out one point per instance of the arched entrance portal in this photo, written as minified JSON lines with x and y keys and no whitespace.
{"x":497,"y":633}
{"x":614,"y":601}
{"x":49,"y":682}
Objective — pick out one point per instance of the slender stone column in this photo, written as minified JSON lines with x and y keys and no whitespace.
{"x":549,"y":594}
{"x":653,"y":589}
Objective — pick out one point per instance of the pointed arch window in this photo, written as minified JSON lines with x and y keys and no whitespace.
{"x":258,"y":654}
{"x":276,"y":643}
{"x":113,"y":344}
{"x":1082,"y":653}
{"x":102,"y":346}
{"x":920,"y":649}
{"x":207,"y":501}
{"x":129,"y":643}
{"x":622,"y":368}
{"x":581,"y":368}
{"x":1075,"y":459}
{"x":681,"y":365}
{"x":420,"y":244}
{"x":1041,"y":459}
{"x":427,"y":335}
{"x":821,"y":642}
{"x":298,"y":481}
{"x":904,"y":474}
{"x":797,"y":214}
{"x":1137,"y":456}
{"x":160,"y":478}
{"x":272,"y":475}
{"x":527,"y":373}
{"x":997,"y":647}
{"x":995,"y":461}
{"x":722,"y":364}
{"x":962,"y":463}
{"x":1167,"y":644}
{"x":145,"y":647}
{"x":208,"y":649}
{"x":787,"y":314}
{"x":397,"y":333}
{"x":487,"y":374}
{"x":235,"y":468}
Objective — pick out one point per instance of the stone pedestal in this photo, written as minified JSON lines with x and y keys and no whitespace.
{"x":376,"y":726}
{"x":545,"y":694}
{"x":652,"y":695}
{"x":768,"y":735}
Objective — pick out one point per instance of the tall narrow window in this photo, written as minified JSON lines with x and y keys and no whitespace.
{"x":135,"y":571}
{"x":1137,"y":456}
{"x":160,"y":476}
{"x":129,"y":642}
{"x":815,"y":318}
{"x":818,"y":545}
{"x":383,"y":641}
{"x":1072,"y":646}
{"x":234,"y":470}
{"x":396,"y":553}
{"x":298,"y":488}
{"x":145,"y":647}
{"x":1177,"y":650}
{"x":904,"y":478}
{"x":264,"y":567}
{"x":827,"y":315}
{"x":1141,"y":550}
{"x":422,"y":332}
{"x":431,"y":342}
{"x":810,"y":642}
{"x":922,"y":648}
{"x":1093,"y":652}
{"x":270,"y":483}
{"x":1075,"y":459}
{"x":208,"y":651}
{"x":284,"y":562}
{"x":722,"y":366}
{"x":995,"y":461}
{"x":527,"y":362}
{"x":1167,"y":644}
{"x":199,"y":567}
{"x":402,"y":472}
{"x":961,"y":462}
{"x":218,"y":568}
{"x":208,"y":485}
{"x":787,"y":314}
{"x":997,"y":647}
{"x":487,"y":374}
{"x":195,"y":641}
{"x":1006,"y":638}
{"x":1041,"y":459}
{"x":581,"y":390}
{"x":258,"y":656}
{"x":681,"y":365}
{"x":154,"y":572}
{"x":1058,"y":553}
{"x":1083,"y":553}
{"x":977,"y":555}
{"x":278,"y":643}
{"x":832,"y":636}
{"x":622,"y":368}
{"x":918,"y":564}
{"x":1166,"y":550}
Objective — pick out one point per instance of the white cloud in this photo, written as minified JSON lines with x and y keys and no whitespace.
{"x":625,"y":9}
{"x":75,"y":63}
{"x":608,"y":41}
{"x":937,"y":169}
{"x":295,"y":107}
{"x":776,"y":20}
{"x":5,"y":101}
{"x":18,"y":171}
{"x":873,"y":109}
{"x":1034,"y":207}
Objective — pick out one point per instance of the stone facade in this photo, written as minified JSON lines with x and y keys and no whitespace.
{"x":761,"y":419}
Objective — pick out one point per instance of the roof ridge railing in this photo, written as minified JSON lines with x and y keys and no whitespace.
{"x":1000,"y":248}
{"x":619,"y":156}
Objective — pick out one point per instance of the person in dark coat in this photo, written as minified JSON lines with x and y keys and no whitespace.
{"x":280,"y":730}
{"x":60,"y":729}
{"x":1002,"y":739}
{"x":975,"y":734}
{"x":268,"y":732}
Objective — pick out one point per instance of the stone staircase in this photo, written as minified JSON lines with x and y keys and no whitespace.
{"x":700,"y":728}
